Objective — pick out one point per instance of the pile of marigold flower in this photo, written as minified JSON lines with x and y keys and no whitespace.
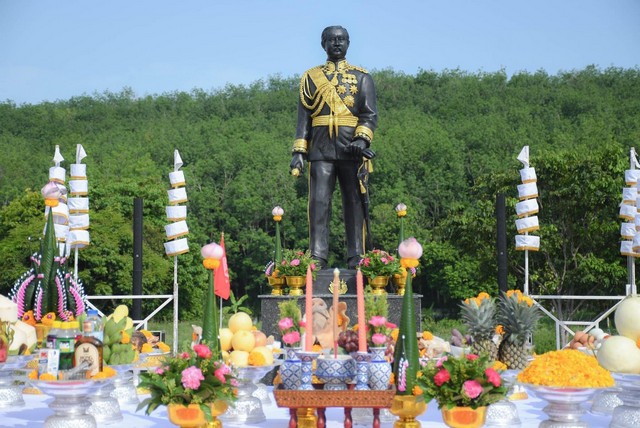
{"x":566,"y":368}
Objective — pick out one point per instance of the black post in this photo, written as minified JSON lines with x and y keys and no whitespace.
{"x":136,"y":312}
{"x":501,"y":242}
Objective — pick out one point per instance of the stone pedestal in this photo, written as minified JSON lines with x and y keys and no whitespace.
{"x":270,"y":314}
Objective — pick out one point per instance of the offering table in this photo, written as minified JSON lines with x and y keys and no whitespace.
{"x":319,"y":399}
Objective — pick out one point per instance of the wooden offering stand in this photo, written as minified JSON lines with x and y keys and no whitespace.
{"x":320,"y":399}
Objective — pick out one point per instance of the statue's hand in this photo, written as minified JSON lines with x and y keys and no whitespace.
{"x":356,"y":147}
{"x":297,"y":164}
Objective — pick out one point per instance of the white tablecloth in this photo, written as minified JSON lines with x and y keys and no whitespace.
{"x":36,"y":411}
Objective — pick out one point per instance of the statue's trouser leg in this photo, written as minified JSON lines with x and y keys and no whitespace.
{"x":352,"y":210}
{"x":322,"y":182}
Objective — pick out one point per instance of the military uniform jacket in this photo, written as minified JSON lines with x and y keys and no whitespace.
{"x":337,"y":103}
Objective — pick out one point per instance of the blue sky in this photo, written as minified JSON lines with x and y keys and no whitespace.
{"x":51,"y":50}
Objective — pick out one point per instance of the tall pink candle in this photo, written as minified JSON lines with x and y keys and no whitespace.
{"x":362,"y":322}
{"x":336,"y":314}
{"x":308,"y":313}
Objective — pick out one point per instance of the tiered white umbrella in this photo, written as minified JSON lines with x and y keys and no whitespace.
{"x":177,"y":230}
{"x":60,"y":212}
{"x":629,"y":229}
{"x":78,"y":236}
{"x":526,"y":210}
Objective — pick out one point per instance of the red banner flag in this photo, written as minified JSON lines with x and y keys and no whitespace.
{"x":221,"y":279}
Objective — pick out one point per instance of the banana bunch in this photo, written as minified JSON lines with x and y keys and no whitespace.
{"x":118,"y":329}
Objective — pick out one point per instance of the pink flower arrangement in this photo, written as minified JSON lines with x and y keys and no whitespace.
{"x":189,"y":378}
{"x":467,"y":381}
{"x":379,"y":330}
{"x":379,"y":263}
{"x":290,"y":324}
{"x":296,"y":262}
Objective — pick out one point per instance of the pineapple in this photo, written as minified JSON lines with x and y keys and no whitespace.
{"x":518,"y":316}
{"x":479,"y":314}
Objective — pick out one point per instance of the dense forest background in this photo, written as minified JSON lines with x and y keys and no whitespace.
{"x":447,"y":145}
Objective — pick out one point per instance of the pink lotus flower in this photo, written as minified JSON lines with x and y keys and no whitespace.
{"x":379,"y":339}
{"x":285,"y":323}
{"x":291,"y":337}
{"x":441,"y":377}
{"x":202,"y":351}
{"x":493,"y":377}
{"x":191,"y":377}
{"x":295,"y":262}
{"x":472,"y":388}
{"x":410,"y":248}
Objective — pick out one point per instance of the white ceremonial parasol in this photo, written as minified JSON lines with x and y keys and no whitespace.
{"x":78,"y":236}
{"x":630,"y":238}
{"x":177,"y":230}
{"x":526,"y":209}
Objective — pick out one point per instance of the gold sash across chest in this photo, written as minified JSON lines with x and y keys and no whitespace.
{"x":325,"y":93}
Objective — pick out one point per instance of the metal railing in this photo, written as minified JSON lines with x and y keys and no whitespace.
{"x":561,"y":325}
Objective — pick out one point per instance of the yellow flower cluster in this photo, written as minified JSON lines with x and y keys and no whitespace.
{"x":478,"y":299}
{"x":566,"y":368}
{"x":521,"y":297}
{"x":499,"y":366}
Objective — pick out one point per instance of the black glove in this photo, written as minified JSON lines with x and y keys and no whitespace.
{"x":356,"y":147}
{"x":297,"y":164}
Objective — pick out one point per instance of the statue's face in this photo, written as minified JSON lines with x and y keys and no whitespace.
{"x":336,"y":44}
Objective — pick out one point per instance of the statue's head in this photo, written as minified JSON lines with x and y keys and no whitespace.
{"x":335,"y":42}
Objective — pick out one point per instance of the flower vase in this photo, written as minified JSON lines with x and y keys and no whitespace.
{"x":400,"y":281}
{"x":190,"y":416}
{"x":407,"y":408}
{"x":277,"y":283}
{"x":464,"y":417}
{"x":379,"y":369}
{"x":291,"y":369}
{"x":378,"y":285}
{"x":295,"y":283}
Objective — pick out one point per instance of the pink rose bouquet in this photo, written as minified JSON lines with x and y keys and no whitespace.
{"x":468,"y":381}
{"x":290,"y":324}
{"x":191,"y":377}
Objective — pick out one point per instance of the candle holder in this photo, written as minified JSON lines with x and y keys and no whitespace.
{"x":627,"y":414}
{"x":362,"y":370}
{"x":306,"y":359}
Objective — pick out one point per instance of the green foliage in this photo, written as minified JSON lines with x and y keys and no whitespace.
{"x":235,"y":306}
{"x":446,"y":145}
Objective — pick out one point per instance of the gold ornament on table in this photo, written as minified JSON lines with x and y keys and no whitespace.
{"x":342,"y":288}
